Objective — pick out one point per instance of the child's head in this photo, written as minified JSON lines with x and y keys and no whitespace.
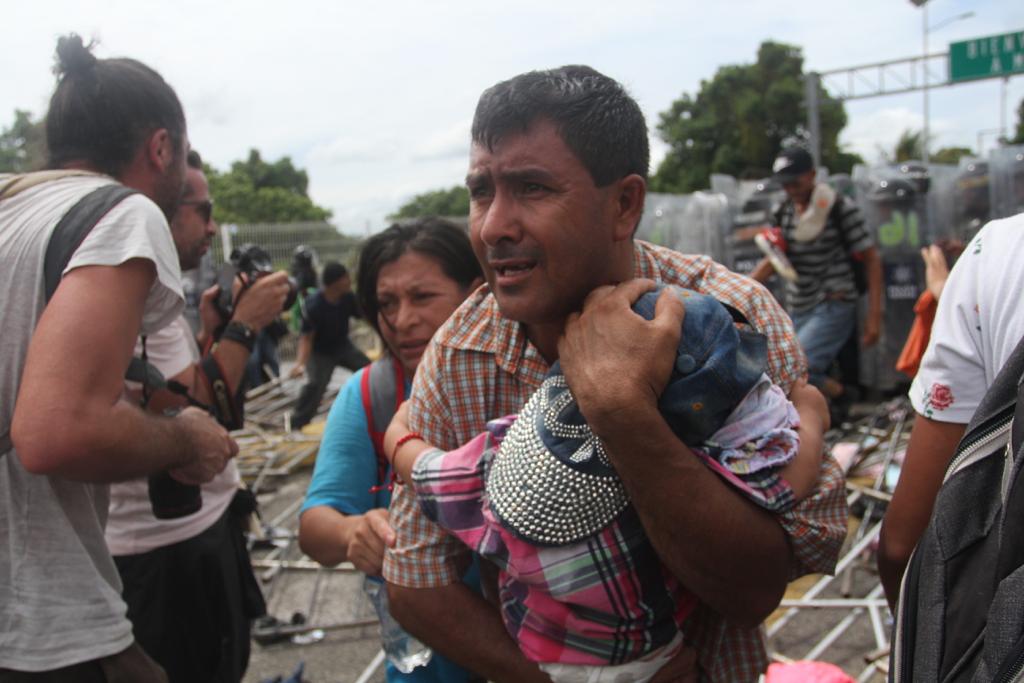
{"x":553,"y":484}
{"x":717,"y":364}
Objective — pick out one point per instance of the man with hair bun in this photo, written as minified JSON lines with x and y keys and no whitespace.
{"x":66,"y":428}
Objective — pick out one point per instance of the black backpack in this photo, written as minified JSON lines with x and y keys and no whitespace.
{"x":860,"y":273}
{"x":961,"y":611}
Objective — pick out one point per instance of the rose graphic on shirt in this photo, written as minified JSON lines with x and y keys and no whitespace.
{"x":939,"y":397}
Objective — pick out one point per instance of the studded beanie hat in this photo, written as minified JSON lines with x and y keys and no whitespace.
{"x":551,"y":482}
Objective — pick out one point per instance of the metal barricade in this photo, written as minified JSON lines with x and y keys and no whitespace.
{"x":844,"y":618}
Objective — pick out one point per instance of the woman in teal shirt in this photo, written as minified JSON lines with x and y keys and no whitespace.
{"x":410,"y":279}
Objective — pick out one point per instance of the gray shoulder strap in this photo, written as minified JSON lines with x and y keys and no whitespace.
{"x":73,"y":228}
{"x":384,"y":391}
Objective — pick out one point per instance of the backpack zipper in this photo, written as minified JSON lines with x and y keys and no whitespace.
{"x":1013,"y":674}
{"x":968,"y":451}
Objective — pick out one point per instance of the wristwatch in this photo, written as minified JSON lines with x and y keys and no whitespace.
{"x":241,"y":333}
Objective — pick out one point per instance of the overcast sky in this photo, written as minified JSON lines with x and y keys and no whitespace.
{"x":374,"y":99}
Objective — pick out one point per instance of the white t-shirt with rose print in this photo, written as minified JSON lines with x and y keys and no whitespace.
{"x":980,"y":320}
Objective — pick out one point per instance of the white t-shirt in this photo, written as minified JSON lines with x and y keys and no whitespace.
{"x":131,"y":526}
{"x":980,"y":320}
{"x":60,"y":594}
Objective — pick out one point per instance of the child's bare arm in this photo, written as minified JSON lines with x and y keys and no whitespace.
{"x":401,"y":446}
{"x":802,"y":472}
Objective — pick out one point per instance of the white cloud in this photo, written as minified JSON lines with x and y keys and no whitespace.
{"x":452,"y":143}
{"x":347,"y":149}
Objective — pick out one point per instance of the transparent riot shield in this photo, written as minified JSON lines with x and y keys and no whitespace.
{"x":690,"y":224}
{"x":940,"y":201}
{"x":896,"y":213}
{"x":972,"y":206}
{"x":753,"y":205}
{"x":1006,"y":169}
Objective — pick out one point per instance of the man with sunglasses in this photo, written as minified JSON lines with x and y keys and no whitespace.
{"x":188,"y":581}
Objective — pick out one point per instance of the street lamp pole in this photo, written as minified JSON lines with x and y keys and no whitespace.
{"x":924,"y":77}
{"x":925,"y":30}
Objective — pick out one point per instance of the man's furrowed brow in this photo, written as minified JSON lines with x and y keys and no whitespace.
{"x":536,"y":174}
{"x":473,"y":179}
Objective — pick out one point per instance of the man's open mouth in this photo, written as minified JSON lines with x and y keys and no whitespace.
{"x":513,"y":270}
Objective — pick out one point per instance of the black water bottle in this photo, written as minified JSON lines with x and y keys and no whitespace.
{"x":171,"y":499}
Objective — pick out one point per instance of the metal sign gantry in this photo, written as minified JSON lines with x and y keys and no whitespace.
{"x":999,"y":56}
{"x":886,"y":78}
{"x":890,"y":77}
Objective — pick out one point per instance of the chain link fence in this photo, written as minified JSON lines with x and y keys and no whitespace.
{"x":280,"y":240}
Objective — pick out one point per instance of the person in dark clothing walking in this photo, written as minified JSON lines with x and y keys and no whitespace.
{"x":324,"y":342}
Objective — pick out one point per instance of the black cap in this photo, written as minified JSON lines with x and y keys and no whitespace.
{"x":792,"y":163}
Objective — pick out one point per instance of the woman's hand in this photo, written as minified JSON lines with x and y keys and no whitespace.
{"x":371,"y":533}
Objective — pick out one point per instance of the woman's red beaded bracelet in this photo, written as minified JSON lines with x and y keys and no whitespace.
{"x":404,"y":440}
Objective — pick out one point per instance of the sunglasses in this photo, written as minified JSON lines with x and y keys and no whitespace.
{"x":204,"y":207}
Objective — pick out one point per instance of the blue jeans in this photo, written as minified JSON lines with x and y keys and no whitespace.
{"x":264,"y":353}
{"x":822,"y":331}
{"x":319,"y":369}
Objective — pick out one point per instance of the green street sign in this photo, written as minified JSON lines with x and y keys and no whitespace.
{"x":988,"y":57}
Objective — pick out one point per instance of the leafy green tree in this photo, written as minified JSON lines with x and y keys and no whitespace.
{"x":951,"y":155}
{"x":22,"y":145}
{"x":737,"y":122}
{"x":908,"y":146}
{"x":451,"y":202}
{"x":255,"y":191}
{"x":282,"y":173}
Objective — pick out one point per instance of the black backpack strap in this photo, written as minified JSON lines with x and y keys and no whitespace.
{"x":65,"y":240}
{"x":836,"y":214}
{"x":73,"y":228}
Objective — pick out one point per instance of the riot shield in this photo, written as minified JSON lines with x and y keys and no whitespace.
{"x":972,"y":206}
{"x":753,"y":207}
{"x":896,"y":213}
{"x":690,"y":224}
{"x":1006,"y":169}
